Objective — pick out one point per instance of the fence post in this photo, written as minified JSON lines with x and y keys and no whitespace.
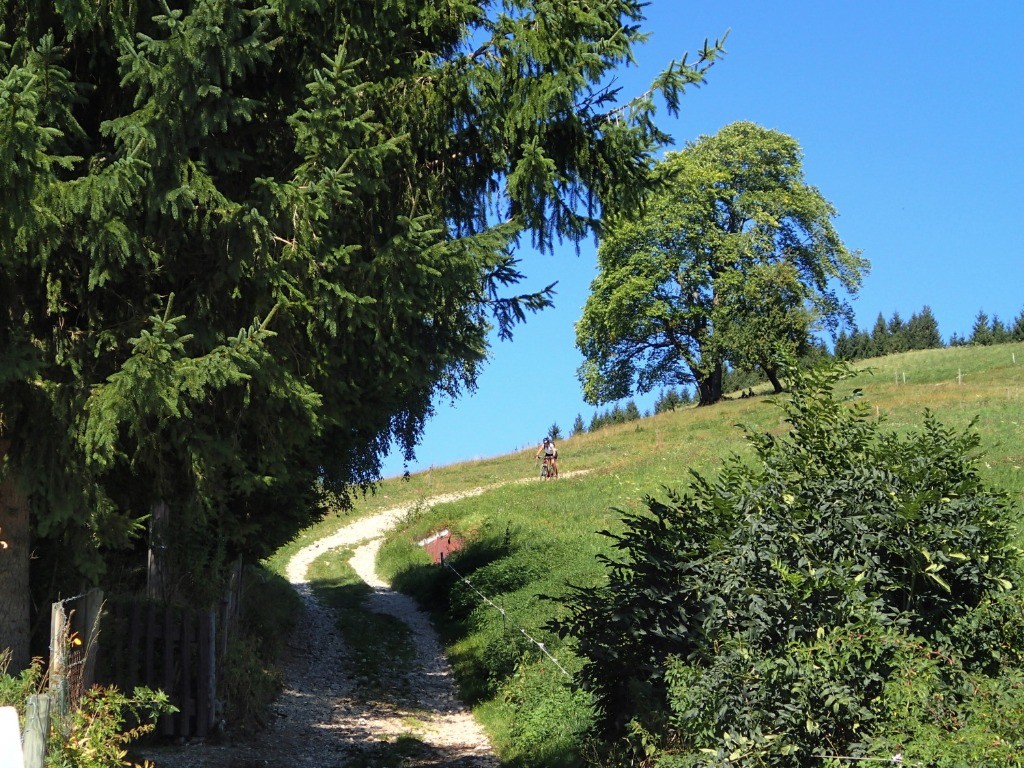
{"x":59,"y":661}
{"x":37,"y":729}
{"x":159,"y":530}
{"x":93,"y":606}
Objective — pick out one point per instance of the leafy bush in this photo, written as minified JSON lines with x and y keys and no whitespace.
{"x":14,"y":690}
{"x":105,"y":722}
{"x":96,"y":733}
{"x":549,"y":718}
{"x":788,"y":608}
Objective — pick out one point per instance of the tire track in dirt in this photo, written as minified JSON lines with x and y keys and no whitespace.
{"x":324,"y":718}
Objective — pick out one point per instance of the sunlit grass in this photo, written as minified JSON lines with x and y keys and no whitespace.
{"x":527,"y":540}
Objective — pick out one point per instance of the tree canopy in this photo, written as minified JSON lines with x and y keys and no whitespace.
{"x":734,"y":257}
{"x":245,"y":242}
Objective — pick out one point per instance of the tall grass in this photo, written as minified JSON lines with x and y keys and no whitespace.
{"x":528,"y":540}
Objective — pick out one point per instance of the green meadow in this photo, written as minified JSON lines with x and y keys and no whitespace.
{"x":526,"y":540}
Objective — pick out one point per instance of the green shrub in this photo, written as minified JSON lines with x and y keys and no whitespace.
{"x":97,"y":731}
{"x":250,"y":683}
{"x":14,"y":690}
{"x":105,"y":722}
{"x":768,"y":615}
{"x":251,"y":677}
{"x":548,"y":718}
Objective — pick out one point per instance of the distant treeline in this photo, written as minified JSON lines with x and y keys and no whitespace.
{"x":921,"y":331}
{"x":887,"y":337}
{"x":668,"y":400}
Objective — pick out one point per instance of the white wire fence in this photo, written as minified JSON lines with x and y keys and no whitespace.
{"x":543,"y":649}
{"x":896,"y":759}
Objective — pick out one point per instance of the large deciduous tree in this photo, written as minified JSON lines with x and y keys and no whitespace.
{"x":244,"y":243}
{"x":733,"y":258}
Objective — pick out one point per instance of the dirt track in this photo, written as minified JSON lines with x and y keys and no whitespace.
{"x":324,"y":718}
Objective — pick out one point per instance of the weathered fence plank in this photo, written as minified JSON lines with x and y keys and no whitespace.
{"x":206,"y":678}
{"x":188,"y":701}
{"x":37,"y":729}
{"x":131,"y":679}
{"x":58,"y":669}
{"x":170,"y":648}
{"x":170,"y":634}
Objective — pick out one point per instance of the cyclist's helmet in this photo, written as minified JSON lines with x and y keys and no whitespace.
{"x":547,"y":439}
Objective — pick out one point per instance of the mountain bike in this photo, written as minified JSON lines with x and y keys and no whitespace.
{"x":547,"y":469}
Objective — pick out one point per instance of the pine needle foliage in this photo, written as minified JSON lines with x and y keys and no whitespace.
{"x":331,"y":192}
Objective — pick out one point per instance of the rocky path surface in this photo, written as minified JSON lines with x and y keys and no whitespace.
{"x":324,"y":718}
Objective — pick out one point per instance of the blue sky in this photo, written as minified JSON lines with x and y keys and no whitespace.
{"x":911,"y":118}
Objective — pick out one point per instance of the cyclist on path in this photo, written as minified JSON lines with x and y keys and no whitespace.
{"x":550,"y":453}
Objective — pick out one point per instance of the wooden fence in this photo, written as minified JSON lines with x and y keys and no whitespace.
{"x":172,"y":649}
{"x":127,"y":643}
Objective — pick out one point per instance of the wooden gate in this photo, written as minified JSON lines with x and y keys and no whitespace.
{"x":168,"y":648}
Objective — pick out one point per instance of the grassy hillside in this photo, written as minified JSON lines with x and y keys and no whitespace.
{"x":528,"y":540}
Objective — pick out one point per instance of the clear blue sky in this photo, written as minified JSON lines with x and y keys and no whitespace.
{"x":911,"y":119}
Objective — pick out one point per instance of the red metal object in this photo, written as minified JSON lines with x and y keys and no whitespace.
{"x":440,"y":545}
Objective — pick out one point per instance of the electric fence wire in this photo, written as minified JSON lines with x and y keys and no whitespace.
{"x":505,"y":615}
{"x":896,"y":759}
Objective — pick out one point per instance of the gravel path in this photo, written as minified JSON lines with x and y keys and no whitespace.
{"x":322,"y":718}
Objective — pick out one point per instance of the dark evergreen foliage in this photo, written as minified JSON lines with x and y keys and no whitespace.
{"x":670,"y":399}
{"x":245,"y":242}
{"x":981,"y":333}
{"x":617,"y":414}
{"x":1017,"y":331}
{"x":923,"y":331}
{"x":888,"y":337}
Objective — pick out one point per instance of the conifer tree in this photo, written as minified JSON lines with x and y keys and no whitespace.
{"x":631,"y":412}
{"x":923,"y":330}
{"x":880,"y":337}
{"x":897,"y":332}
{"x":862,"y":345}
{"x":1000,"y":333}
{"x":668,"y":400}
{"x":981,"y":331}
{"x":1017,"y":331}
{"x":244,"y":242}
{"x":843,"y":347}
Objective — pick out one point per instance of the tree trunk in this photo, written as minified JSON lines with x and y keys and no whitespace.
{"x":14,"y":561}
{"x":773,"y":376}
{"x":709,"y":388}
{"x":158,"y":580}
